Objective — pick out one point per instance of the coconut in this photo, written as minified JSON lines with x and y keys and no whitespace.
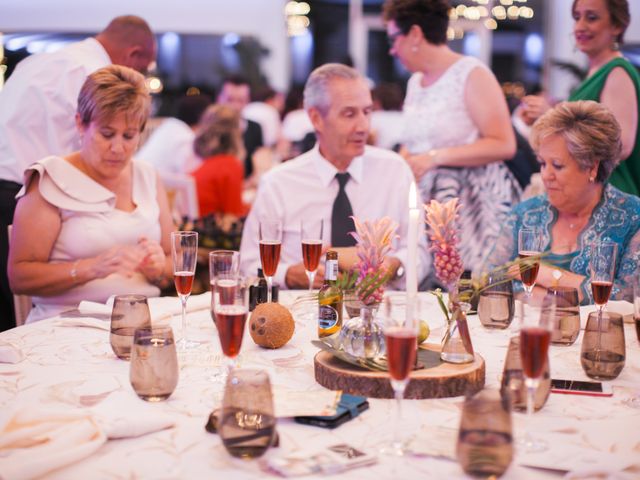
{"x":271,"y":325}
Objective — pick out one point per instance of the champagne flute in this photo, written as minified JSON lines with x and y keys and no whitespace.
{"x":270,"y":244}
{"x":184,"y":251}
{"x":529,"y":245}
{"x":311,"y":238}
{"x":223,"y":265}
{"x":400,"y":333}
{"x":230,"y":308}
{"x":535,"y":337}
{"x":602,"y":266}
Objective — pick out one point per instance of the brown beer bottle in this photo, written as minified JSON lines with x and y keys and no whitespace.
{"x":330,"y":299}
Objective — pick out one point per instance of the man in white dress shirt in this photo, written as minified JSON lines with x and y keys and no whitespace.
{"x":37,"y":112}
{"x":338,"y":101}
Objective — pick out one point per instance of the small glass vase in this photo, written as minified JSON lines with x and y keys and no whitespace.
{"x":361,"y":336}
{"x":456,"y":343}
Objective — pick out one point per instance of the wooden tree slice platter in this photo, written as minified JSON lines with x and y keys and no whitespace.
{"x":437,"y":380}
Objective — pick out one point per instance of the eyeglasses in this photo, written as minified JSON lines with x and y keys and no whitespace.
{"x":391,"y":37}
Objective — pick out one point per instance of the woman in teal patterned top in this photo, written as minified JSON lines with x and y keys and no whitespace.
{"x":612,"y":80}
{"x":577,"y":144}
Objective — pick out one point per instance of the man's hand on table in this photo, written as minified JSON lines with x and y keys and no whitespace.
{"x":296,"y":277}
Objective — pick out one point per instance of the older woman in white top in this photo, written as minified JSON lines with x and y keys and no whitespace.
{"x":94,"y":223}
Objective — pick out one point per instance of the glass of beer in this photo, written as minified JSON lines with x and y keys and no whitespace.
{"x":400,"y":333}
{"x":602,"y":266}
{"x":311,"y":238}
{"x":230,"y":302}
{"x":535,"y":337}
{"x":270,"y":232}
{"x":184,"y":252}
{"x":529,"y":247}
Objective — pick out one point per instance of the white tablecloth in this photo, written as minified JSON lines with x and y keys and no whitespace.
{"x":75,"y":366}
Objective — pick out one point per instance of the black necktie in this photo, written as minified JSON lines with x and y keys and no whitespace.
{"x":341,"y":223}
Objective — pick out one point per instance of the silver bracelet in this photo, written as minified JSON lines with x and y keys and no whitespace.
{"x":74,"y":271}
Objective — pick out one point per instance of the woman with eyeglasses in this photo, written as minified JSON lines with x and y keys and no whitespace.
{"x":457,"y":125}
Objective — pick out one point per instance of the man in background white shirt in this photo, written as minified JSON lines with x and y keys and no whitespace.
{"x":37,"y":112}
{"x":338,"y":101}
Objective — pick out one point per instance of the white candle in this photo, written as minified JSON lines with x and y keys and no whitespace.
{"x":411,"y":269}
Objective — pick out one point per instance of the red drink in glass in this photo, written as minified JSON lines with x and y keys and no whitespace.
{"x":183,"y":281}
{"x":311,"y":252}
{"x":269,"y":256}
{"x":230,"y":322}
{"x":601,"y":291}
{"x":534,"y":345}
{"x":529,"y":272}
{"x":401,"y":345}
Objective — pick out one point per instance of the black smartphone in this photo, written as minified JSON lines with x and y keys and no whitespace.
{"x":579,"y":387}
{"x":350,"y":406}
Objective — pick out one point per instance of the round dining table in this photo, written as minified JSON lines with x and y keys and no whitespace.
{"x":67,"y":362}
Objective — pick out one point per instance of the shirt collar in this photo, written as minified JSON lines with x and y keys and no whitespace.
{"x":327,"y":172}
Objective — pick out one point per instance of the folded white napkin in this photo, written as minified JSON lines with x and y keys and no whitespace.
{"x":37,"y":439}
{"x":161,"y":308}
{"x":87,"y":322}
{"x":9,"y":353}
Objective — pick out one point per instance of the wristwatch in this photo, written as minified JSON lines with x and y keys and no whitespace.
{"x":399,"y":272}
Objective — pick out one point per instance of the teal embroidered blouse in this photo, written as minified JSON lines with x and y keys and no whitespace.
{"x":616,"y":218}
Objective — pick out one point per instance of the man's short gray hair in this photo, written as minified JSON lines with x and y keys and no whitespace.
{"x":316,"y":90}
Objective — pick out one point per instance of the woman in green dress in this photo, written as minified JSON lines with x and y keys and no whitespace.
{"x":612,"y":80}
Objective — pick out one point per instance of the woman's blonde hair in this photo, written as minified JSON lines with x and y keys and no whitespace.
{"x":590,"y":130}
{"x":112,"y":90}
{"x":218,"y":132}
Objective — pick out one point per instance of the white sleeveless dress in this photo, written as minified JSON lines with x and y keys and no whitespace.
{"x":90,"y":225}
{"x":436,"y":117}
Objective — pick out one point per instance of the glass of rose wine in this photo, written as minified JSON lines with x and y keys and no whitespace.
{"x":602,"y":266}
{"x":270,"y":243}
{"x":535,"y":337}
{"x":400,"y":335}
{"x":529,"y":246}
{"x":184,"y":251}
{"x":230,"y":309}
{"x":311,"y":237}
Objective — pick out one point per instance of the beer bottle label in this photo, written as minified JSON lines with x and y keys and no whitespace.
{"x":327,"y":317}
{"x":331,"y":270}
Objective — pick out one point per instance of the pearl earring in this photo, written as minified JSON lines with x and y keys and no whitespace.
{"x":592,"y":179}
{"x":414,"y":49}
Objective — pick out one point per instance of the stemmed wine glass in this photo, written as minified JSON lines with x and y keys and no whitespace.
{"x":270,"y":244}
{"x":603,"y":265}
{"x":535,"y":337}
{"x":184,"y":251}
{"x":311,"y":238}
{"x":529,"y":245}
{"x":230,"y":308}
{"x":400,"y":333}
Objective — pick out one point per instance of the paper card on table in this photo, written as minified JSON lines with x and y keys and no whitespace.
{"x":567,"y":459}
{"x":290,"y":403}
{"x":330,"y":460}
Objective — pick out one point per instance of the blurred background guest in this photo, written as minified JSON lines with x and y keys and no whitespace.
{"x":219,"y":176}
{"x":38,"y":105}
{"x":236,"y":93}
{"x":611,"y":80}
{"x":103,"y":221}
{"x":578,"y":145}
{"x":169,"y":147}
{"x":387,"y":125}
{"x":457,"y":124}
{"x":266,"y":110}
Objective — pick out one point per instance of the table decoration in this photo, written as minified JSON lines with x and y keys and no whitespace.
{"x":441,"y":218}
{"x":271,"y":325}
{"x":361,"y":336}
